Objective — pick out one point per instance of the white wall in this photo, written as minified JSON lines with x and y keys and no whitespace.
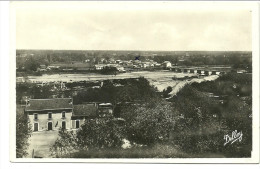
{"x":56,"y":117}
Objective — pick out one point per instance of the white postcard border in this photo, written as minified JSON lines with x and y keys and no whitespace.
{"x":255,"y":51}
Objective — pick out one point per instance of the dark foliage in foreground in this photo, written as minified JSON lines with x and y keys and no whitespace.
{"x":207,"y":119}
{"x":23,"y":132}
{"x":101,"y":133}
{"x":147,"y":125}
{"x":192,"y":124}
{"x":155,"y":151}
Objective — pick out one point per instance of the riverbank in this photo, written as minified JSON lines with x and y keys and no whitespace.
{"x":159,"y":79}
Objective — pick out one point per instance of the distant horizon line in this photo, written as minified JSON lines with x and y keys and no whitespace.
{"x":142,"y":50}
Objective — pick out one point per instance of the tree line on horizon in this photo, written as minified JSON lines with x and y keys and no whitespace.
{"x":26,"y":61}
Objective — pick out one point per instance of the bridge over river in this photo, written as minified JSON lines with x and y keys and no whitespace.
{"x":213,"y":70}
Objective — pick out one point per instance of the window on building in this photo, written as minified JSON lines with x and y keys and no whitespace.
{"x":63,"y":114}
{"x":63,"y":125}
{"x":49,"y":115}
{"x":35,"y":116}
{"x":77,"y":124}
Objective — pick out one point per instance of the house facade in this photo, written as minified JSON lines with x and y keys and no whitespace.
{"x":53,"y":114}
{"x":49,"y":114}
{"x":82,"y":112}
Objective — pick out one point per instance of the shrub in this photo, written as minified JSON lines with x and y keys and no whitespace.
{"x":149,"y":123}
{"x":101,"y":133}
{"x":23,"y":132}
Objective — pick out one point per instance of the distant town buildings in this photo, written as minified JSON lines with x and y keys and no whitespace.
{"x":167,"y":64}
{"x":99,"y":66}
{"x":42,"y":68}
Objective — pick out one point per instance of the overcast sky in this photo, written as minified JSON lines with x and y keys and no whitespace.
{"x":124,"y":26}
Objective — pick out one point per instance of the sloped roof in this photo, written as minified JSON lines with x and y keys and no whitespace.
{"x":49,"y":104}
{"x":85,"y":110}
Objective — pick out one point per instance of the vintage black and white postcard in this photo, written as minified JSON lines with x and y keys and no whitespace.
{"x":154,"y":82}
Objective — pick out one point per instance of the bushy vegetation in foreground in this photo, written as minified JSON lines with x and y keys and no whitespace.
{"x":146,"y":125}
{"x":23,"y":133}
{"x":212,"y":110}
{"x":192,"y":124}
{"x":156,"y":151}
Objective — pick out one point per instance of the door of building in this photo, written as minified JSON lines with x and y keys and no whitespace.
{"x":35,"y":126}
{"x":63,"y":125}
{"x":49,"y":125}
{"x":77,"y":124}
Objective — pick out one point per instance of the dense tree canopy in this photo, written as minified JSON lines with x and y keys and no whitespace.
{"x":101,"y":133}
{"x":149,"y":123}
{"x":206,"y":118}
